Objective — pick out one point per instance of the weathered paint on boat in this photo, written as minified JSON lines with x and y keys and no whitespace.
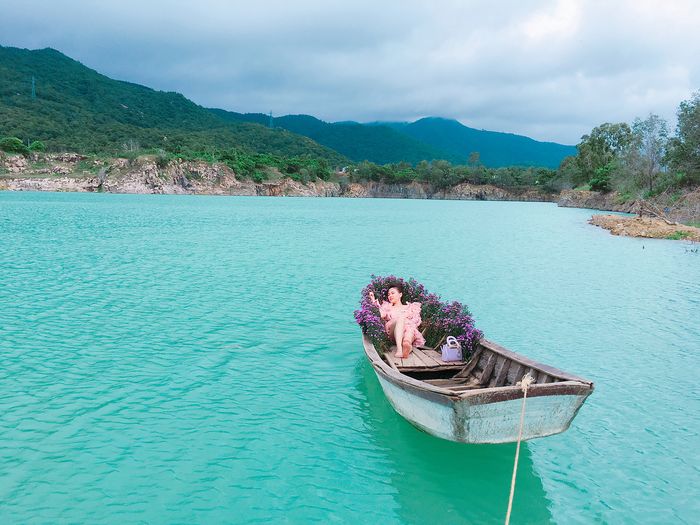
{"x":483,"y":413}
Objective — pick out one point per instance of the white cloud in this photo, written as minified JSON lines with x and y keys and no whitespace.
{"x":562,"y":21}
{"x":548,"y":69}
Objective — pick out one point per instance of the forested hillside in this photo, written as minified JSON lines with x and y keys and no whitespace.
{"x":47,"y":96}
{"x":379,"y":144}
{"x":426,"y":139}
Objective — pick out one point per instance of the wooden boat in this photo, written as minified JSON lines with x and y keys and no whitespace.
{"x":478,"y":401}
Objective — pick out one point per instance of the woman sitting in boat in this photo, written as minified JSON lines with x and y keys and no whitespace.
{"x":401,"y":320}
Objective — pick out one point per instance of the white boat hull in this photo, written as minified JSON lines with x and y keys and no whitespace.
{"x":497,"y":422}
{"x":485,"y":412}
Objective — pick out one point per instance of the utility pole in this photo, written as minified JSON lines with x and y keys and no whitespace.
{"x":33,"y":88}
{"x":271,"y":126}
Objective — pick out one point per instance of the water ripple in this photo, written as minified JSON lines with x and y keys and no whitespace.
{"x":187,"y":359}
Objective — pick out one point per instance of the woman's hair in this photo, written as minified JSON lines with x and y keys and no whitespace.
{"x":396,"y":285}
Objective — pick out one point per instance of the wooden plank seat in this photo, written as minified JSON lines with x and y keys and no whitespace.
{"x":421,"y":357}
{"x":456,"y":385}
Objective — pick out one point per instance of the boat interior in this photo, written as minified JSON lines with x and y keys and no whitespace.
{"x":486,"y":368}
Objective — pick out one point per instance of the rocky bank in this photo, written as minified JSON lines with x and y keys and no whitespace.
{"x":73,"y":172}
{"x":683,"y":208}
{"x":648,"y":227}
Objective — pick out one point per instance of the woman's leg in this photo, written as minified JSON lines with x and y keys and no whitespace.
{"x":398,"y":335}
{"x":408,"y":339}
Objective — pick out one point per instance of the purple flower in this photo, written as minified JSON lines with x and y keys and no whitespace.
{"x":439,"y":318}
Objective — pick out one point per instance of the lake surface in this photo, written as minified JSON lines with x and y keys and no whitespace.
{"x":193,"y":359}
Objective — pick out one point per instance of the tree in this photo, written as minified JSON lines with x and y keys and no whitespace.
{"x":423,"y":170}
{"x":37,"y":146}
{"x":650,"y":142}
{"x":13,"y":145}
{"x":605,"y":144}
{"x":601,"y":179}
{"x":684,"y":148}
{"x":321,"y":169}
{"x":442,"y":175}
{"x":131,"y":146}
{"x":402,"y":172}
{"x":570,"y":173}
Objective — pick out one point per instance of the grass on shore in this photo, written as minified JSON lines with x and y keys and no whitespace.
{"x":678,"y":236}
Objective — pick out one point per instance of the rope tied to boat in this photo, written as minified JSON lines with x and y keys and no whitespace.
{"x":524,"y":385}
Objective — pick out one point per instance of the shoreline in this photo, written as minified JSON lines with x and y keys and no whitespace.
{"x":72,"y":172}
{"x":645,"y":227}
{"x":69,"y":172}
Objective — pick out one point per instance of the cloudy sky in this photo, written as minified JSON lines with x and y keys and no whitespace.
{"x":549,"y":69}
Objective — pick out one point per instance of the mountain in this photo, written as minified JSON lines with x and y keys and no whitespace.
{"x":47,"y":96}
{"x":72,"y":107}
{"x":378,"y":144}
{"x":425,"y":139}
{"x":495,"y":149}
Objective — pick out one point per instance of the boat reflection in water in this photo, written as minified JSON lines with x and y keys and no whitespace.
{"x":439,"y":481}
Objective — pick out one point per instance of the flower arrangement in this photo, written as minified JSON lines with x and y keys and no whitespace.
{"x":440,"y":319}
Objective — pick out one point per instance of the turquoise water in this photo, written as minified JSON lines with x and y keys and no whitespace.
{"x":186,"y":359}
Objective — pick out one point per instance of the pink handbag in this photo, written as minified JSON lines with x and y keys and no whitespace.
{"x":451,"y":350}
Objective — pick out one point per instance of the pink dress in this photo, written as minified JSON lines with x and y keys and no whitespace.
{"x":412,"y":320}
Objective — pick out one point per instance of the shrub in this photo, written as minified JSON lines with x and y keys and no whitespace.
{"x":162,"y":160}
{"x":13,"y":145}
{"x":292,"y":166}
{"x":623,"y":197}
{"x":601,"y":179}
{"x":440,"y":319}
{"x":37,"y":146}
{"x":678,"y":236}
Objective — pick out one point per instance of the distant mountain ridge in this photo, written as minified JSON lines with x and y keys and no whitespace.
{"x":74,"y":107}
{"x":358,"y":142}
{"x":429,"y":138}
{"x":495,"y":148}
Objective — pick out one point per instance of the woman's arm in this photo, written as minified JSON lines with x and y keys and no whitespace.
{"x":384,"y":308}
{"x":384,"y":311}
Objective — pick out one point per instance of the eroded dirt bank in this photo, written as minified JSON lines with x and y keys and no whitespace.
{"x":71,"y":172}
{"x":684,"y":208}
{"x":645,"y":227}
